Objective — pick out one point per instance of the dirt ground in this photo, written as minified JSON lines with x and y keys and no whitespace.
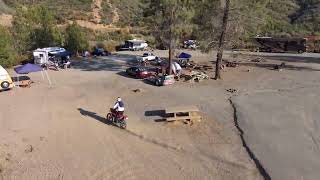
{"x":60,"y":132}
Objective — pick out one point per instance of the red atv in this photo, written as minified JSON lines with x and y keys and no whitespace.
{"x":117,"y":118}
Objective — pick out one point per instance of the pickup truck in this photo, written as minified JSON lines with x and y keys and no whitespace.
{"x":147,"y":57}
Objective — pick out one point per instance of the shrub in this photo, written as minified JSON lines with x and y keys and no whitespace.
{"x":7,"y":52}
{"x":35,"y":27}
{"x":110,"y":46}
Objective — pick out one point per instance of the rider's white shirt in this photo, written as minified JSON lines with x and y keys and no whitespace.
{"x":117,"y":107}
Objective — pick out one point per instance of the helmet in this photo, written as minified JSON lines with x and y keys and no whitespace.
{"x":119,"y":99}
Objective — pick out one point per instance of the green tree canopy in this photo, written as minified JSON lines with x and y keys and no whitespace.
{"x":76,"y":39}
{"x":35,"y":27}
{"x":7,"y":51}
{"x":168,"y":20}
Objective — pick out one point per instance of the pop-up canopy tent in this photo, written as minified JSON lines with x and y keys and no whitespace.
{"x":185,"y":56}
{"x":61,"y":54}
{"x":28,"y":68}
{"x":184,"y":59}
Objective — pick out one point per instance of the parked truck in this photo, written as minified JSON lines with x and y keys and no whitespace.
{"x":270,"y":44}
{"x":288,"y":45}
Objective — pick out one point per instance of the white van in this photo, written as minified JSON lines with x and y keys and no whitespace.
{"x":5,"y":80}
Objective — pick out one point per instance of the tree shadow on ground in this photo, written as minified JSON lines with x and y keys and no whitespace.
{"x":124,"y":74}
{"x":272,"y":66}
{"x":159,"y":114}
{"x":97,"y":65}
{"x":293,"y":58}
{"x":106,"y":63}
{"x":146,"y":81}
{"x":94,"y":116}
{"x":149,"y":82}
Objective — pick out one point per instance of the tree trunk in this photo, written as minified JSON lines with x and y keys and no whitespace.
{"x":170,"y":58}
{"x":222,"y":38}
{"x":171,"y":40}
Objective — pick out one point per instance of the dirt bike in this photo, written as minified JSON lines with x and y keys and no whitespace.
{"x":117,"y":119}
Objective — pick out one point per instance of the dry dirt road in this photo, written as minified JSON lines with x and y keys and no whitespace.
{"x":60,"y":132}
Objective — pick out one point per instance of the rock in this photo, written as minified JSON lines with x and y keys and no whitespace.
{"x":232,"y":90}
{"x":232,"y":64}
{"x":137,"y":90}
{"x":280,"y":67}
{"x":29,"y":149}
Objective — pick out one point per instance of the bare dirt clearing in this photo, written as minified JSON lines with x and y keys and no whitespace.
{"x":65,"y":125}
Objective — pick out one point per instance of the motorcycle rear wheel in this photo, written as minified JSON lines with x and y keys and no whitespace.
{"x":109,"y":117}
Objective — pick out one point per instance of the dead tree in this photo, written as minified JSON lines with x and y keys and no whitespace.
{"x":222,"y":38}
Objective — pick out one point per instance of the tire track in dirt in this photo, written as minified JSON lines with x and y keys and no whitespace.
{"x":154,"y":141}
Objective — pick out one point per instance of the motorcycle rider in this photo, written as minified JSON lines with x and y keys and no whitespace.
{"x":119,"y":107}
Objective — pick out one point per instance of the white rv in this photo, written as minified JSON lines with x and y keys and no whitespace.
{"x":41,"y":56}
{"x":135,"y":45}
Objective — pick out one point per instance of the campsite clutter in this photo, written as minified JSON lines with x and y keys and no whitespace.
{"x":183,"y":68}
{"x":52,"y":58}
{"x":44,"y":59}
{"x":29,"y":68}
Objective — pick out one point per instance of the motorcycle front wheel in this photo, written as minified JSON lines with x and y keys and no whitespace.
{"x":123,"y":124}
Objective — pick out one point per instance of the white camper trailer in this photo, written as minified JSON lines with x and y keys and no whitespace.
{"x":5,"y":80}
{"x":41,"y":56}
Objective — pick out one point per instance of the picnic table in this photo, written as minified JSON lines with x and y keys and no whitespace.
{"x":187,"y":114}
{"x":25,"y":83}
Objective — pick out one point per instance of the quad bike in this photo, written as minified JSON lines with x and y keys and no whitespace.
{"x":117,"y":119}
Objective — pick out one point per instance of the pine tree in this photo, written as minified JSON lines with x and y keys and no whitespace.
{"x":167,"y":19}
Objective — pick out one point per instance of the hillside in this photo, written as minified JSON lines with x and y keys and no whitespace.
{"x":308,"y":15}
{"x":109,"y":15}
{"x":4,"y":8}
{"x":88,"y":12}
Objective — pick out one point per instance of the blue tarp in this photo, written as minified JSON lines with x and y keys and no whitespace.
{"x":184,"y":56}
{"x":28,"y":68}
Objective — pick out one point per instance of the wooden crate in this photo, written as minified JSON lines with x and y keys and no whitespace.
{"x":184,"y":113}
